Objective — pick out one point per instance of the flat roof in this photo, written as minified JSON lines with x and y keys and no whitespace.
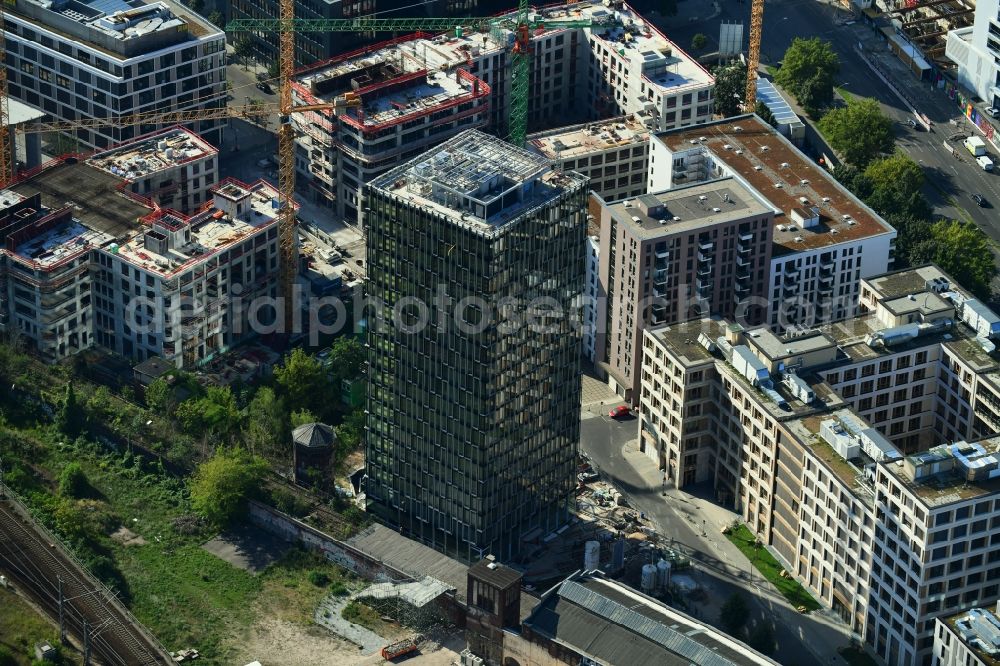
{"x":976,"y":623}
{"x":777,"y":104}
{"x":689,"y":208}
{"x":953,"y":485}
{"x":761,"y":156}
{"x":65,"y":240}
{"x":665,"y":66}
{"x":774,"y":346}
{"x":611,"y":623}
{"x":153,"y":153}
{"x":851,"y":474}
{"x":93,"y":195}
{"x":209,"y":234}
{"x":682,"y":339}
{"x":566,"y":143}
{"x":905,"y":281}
{"x":495,"y":573}
{"x":19,"y":112}
{"x":393,"y":82}
{"x":478,"y":180}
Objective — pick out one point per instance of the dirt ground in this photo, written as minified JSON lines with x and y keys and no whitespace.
{"x":273,"y":642}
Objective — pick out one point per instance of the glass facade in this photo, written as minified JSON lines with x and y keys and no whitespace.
{"x":474,"y":368}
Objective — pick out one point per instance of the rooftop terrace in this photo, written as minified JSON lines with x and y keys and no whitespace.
{"x":153,"y":153}
{"x":60,"y":242}
{"x":689,"y":208}
{"x":979,"y":630}
{"x":783,"y":175}
{"x":566,"y":143}
{"x":478,"y":179}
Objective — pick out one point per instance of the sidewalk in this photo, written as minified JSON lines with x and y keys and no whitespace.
{"x":820,"y":632}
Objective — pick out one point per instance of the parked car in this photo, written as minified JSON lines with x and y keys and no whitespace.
{"x":980,"y":200}
{"x":264,"y":88}
{"x":587,"y":477}
{"x":992,"y":113}
{"x":619,"y":411}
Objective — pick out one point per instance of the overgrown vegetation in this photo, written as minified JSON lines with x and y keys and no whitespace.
{"x":769,"y":568}
{"x":21,"y":628}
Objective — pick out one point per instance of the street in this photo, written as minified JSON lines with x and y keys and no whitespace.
{"x":693,"y":523}
{"x":951,"y":181}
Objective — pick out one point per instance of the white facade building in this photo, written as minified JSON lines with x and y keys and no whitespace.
{"x":77,"y":60}
{"x":174,"y":168}
{"x":976,"y":51}
{"x":613,"y":153}
{"x":85,"y":262}
{"x":829,"y":443}
{"x":825,"y":239}
{"x":970,"y":638}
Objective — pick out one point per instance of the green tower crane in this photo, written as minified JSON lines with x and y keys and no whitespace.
{"x":520,"y":23}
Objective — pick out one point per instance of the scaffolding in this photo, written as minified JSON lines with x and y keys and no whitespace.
{"x":411,"y":603}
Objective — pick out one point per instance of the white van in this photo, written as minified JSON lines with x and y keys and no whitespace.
{"x":985,"y":162}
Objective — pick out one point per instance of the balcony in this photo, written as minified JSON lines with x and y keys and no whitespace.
{"x":705,"y":257}
{"x":660,"y":276}
{"x":743,"y":275}
{"x":742,"y":290}
{"x":742,"y":261}
{"x":743,"y":248}
{"x":662,"y":254}
{"x":706,"y":246}
{"x":746,"y":237}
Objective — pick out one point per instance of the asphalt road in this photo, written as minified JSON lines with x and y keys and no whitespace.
{"x":951,"y":180}
{"x":801,"y":639}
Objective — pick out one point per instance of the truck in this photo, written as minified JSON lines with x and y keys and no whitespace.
{"x":985,"y":163}
{"x":398,"y":649}
{"x":975,"y":146}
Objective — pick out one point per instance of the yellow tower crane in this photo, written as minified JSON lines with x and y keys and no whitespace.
{"x":753,"y":55}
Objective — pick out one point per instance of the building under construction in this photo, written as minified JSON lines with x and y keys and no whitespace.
{"x":419,"y":90}
{"x":405,"y":108}
{"x":86,"y":262}
{"x":918,"y":30}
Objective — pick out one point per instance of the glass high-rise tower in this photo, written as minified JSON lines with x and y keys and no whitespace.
{"x":476,"y":259}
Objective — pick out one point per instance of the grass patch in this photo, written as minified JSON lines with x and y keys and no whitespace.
{"x":21,"y":627}
{"x":369,"y":618}
{"x":848,"y":97}
{"x":770,"y":569}
{"x":186,"y":596}
{"x":856,"y":657}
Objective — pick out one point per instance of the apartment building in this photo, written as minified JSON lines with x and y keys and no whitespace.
{"x":174,"y":168}
{"x":86,"y":262}
{"x":674,"y":255}
{"x":473,"y":408}
{"x":969,"y":638}
{"x":976,"y":49}
{"x":614,"y":154}
{"x":405,"y":108}
{"x":829,"y":443}
{"x":78,"y":60}
{"x":592,"y":296}
{"x":825,"y":239}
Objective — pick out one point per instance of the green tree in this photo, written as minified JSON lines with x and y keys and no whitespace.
{"x":215,"y":412}
{"x":730,"y":88}
{"x":859,"y":131}
{"x":765,"y":114}
{"x":221,"y":485}
{"x":350,"y":433}
{"x":733,"y":614}
{"x":70,"y":418}
{"x":304,"y":381}
{"x":265,"y":428}
{"x":912,"y":233}
{"x":347,"y":357}
{"x":243,"y":49}
{"x":762,"y":638}
{"x":6,"y":658}
{"x":160,"y":397}
{"x":215,"y":18}
{"x":896,"y":184}
{"x":302,"y":417}
{"x":963,"y":251}
{"x":807,"y":71}
{"x":698,"y":42}
{"x":73,"y":481}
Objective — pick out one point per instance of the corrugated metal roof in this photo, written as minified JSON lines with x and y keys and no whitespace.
{"x":652,"y":630}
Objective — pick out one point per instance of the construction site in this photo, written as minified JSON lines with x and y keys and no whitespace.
{"x":917,"y":30}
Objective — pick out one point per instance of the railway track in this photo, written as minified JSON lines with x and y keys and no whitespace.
{"x":36,"y":563}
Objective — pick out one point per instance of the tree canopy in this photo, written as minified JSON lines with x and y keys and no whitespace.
{"x":963,"y":251}
{"x":698,"y":42}
{"x":266,"y":426}
{"x":70,"y":419}
{"x":215,"y":412}
{"x":859,"y":131}
{"x":221,"y":485}
{"x":730,"y":88}
{"x":807,"y":71}
{"x":765,"y":114}
{"x":304,"y":381}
